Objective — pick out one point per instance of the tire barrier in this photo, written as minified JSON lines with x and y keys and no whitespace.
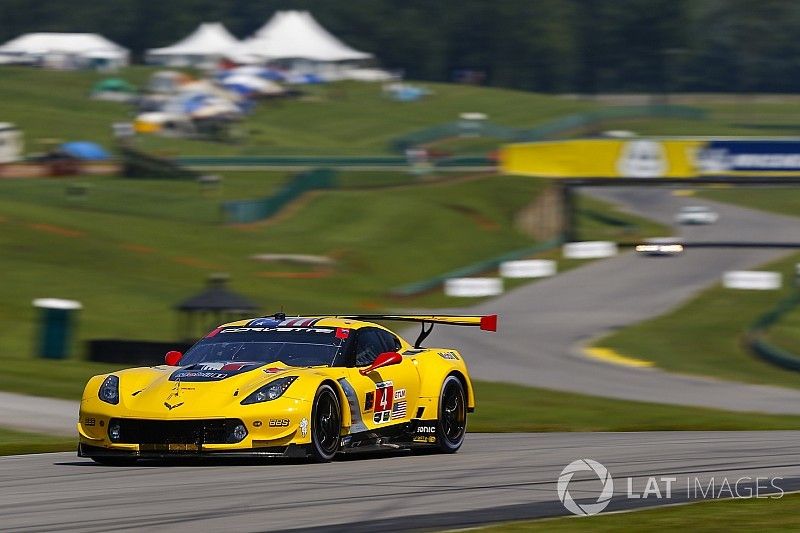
{"x":419,"y":287}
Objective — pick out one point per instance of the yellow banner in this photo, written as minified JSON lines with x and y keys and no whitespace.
{"x":586,"y":158}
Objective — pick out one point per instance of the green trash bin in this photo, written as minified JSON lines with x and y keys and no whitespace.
{"x":56,"y":324}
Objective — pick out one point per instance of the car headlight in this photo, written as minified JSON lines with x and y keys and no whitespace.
{"x":109,"y":390}
{"x":270,"y":391}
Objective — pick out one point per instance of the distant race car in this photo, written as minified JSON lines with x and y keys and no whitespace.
{"x":660,"y":246}
{"x":696,"y":214}
{"x":292,"y":387}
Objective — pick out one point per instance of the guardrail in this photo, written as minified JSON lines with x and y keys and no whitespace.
{"x":548,"y":130}
{"x":244,"y":211}
{"x":419,"y":287}
{"x":280,"y":161}
{"x":764,"y":349}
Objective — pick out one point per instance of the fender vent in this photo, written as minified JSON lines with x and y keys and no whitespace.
{"x":420,"y":411}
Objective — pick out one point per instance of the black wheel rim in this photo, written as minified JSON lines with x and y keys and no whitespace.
{"x":454,"y":413}
{"x":327,"y":426}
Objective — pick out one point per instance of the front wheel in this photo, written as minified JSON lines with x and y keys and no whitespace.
{"x":326,"y":425}
{"x":452,"y":424}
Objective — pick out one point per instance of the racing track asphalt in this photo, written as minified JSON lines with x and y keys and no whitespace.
{"x":543,"y":324}
{"x":494,"y":477}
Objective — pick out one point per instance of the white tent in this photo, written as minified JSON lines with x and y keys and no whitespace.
{"x":209,"y":42}
{"x":296,"y":35}
{"x":70,"y":49}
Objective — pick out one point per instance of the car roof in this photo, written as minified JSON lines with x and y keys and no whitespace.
{"x":303,"y":321}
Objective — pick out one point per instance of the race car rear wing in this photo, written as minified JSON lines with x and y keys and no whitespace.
{"x":486,"y":322}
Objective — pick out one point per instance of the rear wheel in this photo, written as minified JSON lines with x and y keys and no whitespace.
{"x":326,"y":425}
{"x":452,"y":424}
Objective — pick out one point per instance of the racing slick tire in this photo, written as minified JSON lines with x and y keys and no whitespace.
{"x":326,"y":425}
{"x":452,"y":422}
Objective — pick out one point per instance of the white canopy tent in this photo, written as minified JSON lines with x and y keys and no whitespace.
{"x":209,"y":42}
{"x":66,"y":49}
{"x":293,"y":35}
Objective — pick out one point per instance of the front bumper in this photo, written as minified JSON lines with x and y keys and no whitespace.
{"x":275,"y":427}
{"x":160,"y":452}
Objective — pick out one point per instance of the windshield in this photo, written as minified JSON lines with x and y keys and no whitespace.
{"x":293,"y":346}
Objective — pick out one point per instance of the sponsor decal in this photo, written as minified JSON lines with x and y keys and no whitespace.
{"x":384,"y":397}
{"x":749,"y":156}
{"x":292,"y":322}
{"x":248,"y":329}
{"x":89,"y":421}
{"x":422,"y":438}
{"x":426,"y":429}
{"x":279,"y":422}
{"x":399,"y":394}
{"x":342,"y":333}
{"x":304,"y":427}
{"x":642,"y":159}
{"x":449,"y":355}
{"x":399,"y":409}
{"x":210,"y":372}
{"x":257,"y":423}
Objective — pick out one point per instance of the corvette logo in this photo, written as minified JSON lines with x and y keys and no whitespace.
{"x":171,"y":407}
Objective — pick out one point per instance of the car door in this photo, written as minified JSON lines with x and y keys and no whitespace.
{"x":387,"y":395}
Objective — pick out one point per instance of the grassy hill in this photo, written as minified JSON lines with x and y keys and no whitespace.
{"x":340,"y":118}
{"x":346,"y":118}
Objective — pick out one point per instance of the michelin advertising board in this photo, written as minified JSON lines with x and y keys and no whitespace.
{"x":653,"y":158}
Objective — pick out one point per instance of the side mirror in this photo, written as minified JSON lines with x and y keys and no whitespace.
{"x":173,"y":357}
{"x":384,"y":359}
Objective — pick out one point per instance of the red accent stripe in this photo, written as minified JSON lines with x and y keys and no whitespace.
{"x":213,"y":333}
{"x":489,"y":323}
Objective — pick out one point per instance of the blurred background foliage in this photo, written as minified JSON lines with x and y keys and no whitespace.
{"x":583,"y":46}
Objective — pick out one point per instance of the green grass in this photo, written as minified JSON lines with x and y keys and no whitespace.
{"x":338,"y":119}
{"x":346,"y":118}
{"x":503,"y":407}
{"x":129,"y":253}
{"x":754,"y":514}
{"x":17,"y":442}
{"x":781,"y":200}
{"x":594,"y":218}
{"x":705,"y":336}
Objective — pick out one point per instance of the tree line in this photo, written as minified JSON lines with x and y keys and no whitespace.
{"x":576,"y":46}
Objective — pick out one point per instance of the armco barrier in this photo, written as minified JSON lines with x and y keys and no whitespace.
{"x":244,"y":211}
{"x":420,"y":287}
{"x":548,"y":130}
{"x":763,"y":349}
{"x":299,"y":162}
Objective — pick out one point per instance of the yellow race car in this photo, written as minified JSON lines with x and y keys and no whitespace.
{"x":285,"y":386}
